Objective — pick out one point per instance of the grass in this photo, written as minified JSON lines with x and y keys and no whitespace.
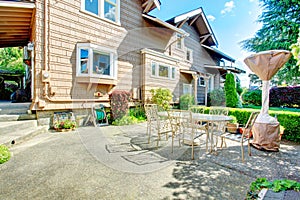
{"x":274,"y":108}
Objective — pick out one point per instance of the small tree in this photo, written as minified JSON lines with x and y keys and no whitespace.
{"x":231,"y":95}
{"x":162,"y":97}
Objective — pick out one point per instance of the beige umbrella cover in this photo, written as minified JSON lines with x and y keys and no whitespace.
{"x":265,"y":65}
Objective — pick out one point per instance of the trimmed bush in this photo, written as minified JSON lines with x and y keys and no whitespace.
{"x":119,"y":101}
{"x":4,"y":154}
{"x":186,"y":100}
{"x":231,"y":95}
{"x":162,"y":97}
{"x":252,"y":97}
{"x":217,"y":97}
{"x":289,"y":120}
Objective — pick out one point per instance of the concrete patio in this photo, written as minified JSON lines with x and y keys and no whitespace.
{"x":117,"y":163}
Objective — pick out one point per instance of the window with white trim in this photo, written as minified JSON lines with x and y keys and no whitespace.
{"x":201,"y":81}
{"x":95,"y":61}
{"x":108,"y":9}
{"x":162,"y":70}
{"x":179,"y":39}
{"x":187,"y":89}
{"x":189,"y":55}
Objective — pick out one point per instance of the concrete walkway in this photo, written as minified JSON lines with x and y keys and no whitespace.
{"x":117,"y":163}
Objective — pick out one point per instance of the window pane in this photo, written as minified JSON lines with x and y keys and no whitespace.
{"x":188,"y":55}
{"x":101,"y":64}
{"x":91,"y":6}
{"x":84,"y":55}
{"x":173,"y":72}
{"x":109,"y":11}
{"x":163,"y":71}
{"x":153,"y":69}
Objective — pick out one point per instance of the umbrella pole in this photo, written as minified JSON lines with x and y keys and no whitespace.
{"x":265,"y":97}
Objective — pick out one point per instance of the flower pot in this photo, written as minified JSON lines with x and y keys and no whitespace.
{"x":232,"y":127}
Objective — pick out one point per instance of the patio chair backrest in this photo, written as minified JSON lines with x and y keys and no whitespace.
{"x":218,"y":110}
{"x":197,"y":109}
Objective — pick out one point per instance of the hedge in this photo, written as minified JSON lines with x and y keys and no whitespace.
{"x":285,"y":96}
{"x":289,"y":120}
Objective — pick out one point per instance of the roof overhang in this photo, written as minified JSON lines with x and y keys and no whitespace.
{"x":226,"y":68}
{"x":16,"y":19}
{"x":198,"y":19}
{"x":166,"y":25}
{"x":192,"y":72}
{"x":149,"y":5}
{"x":218,"y":53}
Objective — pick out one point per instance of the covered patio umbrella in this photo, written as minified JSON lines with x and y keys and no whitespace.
{"x":265,"y":65}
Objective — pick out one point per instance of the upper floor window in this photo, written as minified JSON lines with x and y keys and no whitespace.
{"x":201,"y":81}
{"x":108,"y":9}
{"x":179,"y":39}
{"x":95,"y":61}
{"x":162,"y":70}
{"x":189,"y":55}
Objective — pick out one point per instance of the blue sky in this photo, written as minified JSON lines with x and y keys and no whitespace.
{"x":232,"y":21}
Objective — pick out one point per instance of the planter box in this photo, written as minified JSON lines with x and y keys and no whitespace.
{"x":232,"y":127}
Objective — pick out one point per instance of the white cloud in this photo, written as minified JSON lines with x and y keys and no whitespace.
{"x":211,"y":18}
{"x":228,"y":7}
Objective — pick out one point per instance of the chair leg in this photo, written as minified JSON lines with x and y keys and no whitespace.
{"x":249,"y":148}
{"x":242,"y":150}
{"x":207,"y":135}
{"x":192,"y":145}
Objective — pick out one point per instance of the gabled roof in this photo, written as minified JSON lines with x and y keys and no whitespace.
{"x":197,"y":19}
{"x":149,"y":5}
{"x":165,"y":24}
{"x":218,"y":53}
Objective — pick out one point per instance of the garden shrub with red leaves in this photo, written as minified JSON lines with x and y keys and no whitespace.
{"x":119,"y":102}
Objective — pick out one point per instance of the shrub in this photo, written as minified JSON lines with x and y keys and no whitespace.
{"x":119,"y":104}
{"x":252,"y":97}
{"x":185,"y":101}
{"x":217,"y":97}
{"x":162,"y":97}
{"x":285,"y":96}
{"x":125,"y":120}
{"x":4,"y":154}
{"x":231,"y":95}
{"x":289,"y":120}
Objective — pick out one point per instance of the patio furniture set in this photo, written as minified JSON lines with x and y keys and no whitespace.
{"x":188,"y":125}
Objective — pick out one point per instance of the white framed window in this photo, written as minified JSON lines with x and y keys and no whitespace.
{"x":201,"y":81}
{"x":108,"y":9}
{"x":95,"y":61}
{"x":189,"y":55}
{"x":162,"y":70}
{"x":179,"y":41}
{"x":187,"y":89}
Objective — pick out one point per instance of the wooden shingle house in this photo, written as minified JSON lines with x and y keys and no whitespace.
{"x":82,"y":50}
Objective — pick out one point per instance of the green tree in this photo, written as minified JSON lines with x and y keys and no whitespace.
{"x":280,"y":27}
{"x":231,"y":95}
{"x":11,"y":59}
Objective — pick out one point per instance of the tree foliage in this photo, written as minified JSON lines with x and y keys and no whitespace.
{"x":296,"y":50}
{"x":11,"y":59}
{"x":280,"y":27}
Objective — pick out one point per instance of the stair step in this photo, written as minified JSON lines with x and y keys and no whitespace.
{"x":15,"y":126}
{"x":5,"y":118}
{"x":17,"y":137}
{"x":14,"y":108}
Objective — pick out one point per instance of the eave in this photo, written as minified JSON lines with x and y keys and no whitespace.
{"x":16,"y":21}
{"x":165,"y":24}
{"x":149,"y":5}
{"x":218,"y":53}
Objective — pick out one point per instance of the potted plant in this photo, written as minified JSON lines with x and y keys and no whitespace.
{"x":66,"y":125}
{"x":232,"y":126}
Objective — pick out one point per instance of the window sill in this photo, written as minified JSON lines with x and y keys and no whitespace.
{"x":96,"y":80}
{"x":101,"y":18}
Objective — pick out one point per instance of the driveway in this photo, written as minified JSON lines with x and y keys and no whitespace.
{"x":117,"y":163}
